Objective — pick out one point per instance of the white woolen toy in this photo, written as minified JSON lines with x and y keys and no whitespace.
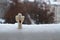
{"x":19,"y":18}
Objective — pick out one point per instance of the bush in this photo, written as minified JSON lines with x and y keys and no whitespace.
{"x":41,"y":14}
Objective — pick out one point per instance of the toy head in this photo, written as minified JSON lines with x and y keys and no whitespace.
{"x":19,"y":14}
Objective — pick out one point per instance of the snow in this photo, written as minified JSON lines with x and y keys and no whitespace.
{"x":31,"y":0}
{"x":31,"y":28}
{"x":2,"y":20}
{"x":55,"y":3}
{"x":30,"y":32}
{"x":31,"y":20}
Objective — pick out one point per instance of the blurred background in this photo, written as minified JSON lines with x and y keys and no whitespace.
{"x":35,"y":11}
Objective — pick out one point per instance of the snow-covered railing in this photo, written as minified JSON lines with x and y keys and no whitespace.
{"x":30,"y":32}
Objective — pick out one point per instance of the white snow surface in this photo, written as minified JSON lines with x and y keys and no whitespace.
{"x":31,"y":28}
{"x":30,"y":32}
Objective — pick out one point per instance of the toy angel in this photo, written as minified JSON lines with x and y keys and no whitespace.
{"x":19,"y":18}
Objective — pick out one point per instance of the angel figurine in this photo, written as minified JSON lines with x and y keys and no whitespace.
{"x":19,"y":18}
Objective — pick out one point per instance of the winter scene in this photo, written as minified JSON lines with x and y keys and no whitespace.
{"x":29,"y":19}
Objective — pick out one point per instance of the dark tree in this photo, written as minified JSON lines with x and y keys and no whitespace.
{"x":41,"y":14}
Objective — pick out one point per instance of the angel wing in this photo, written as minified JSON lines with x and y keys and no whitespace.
{"x":22,"y":19}
{"x":16,"y":18}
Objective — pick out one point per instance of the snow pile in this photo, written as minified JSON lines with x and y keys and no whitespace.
{"x":2,"y":20}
